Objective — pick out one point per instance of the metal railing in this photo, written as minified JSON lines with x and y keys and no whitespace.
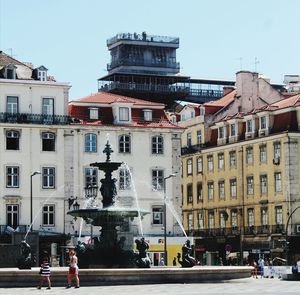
{"x":191,"y":149}
{"x":143,"y":63}
{"x":27,"y":118}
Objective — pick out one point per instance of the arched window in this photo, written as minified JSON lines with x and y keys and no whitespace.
{"x":90,"y":143}
{"x":48,"y":141}
{"x":157,"y":145}
{"x":124,"y":144}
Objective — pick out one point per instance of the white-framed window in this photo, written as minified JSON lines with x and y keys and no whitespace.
{"x":222,"y":220}
{"x":124,"y":179}
{"x":210,"y":163}
{"x":234,"y":218}
{"x":12,"y":140}
{"x":12,"y":104}
{"x":200,"y":220}
{"x":277,"y":178}
{"x":93,"y":113}
{"x":211,"y":220}
{"x":249,"y":155}
{"x":48,"y":106}
{"x":263,"y":184}
{"x":123,"y":114}
{"x":221,"y":161}
{"x":221,"y":132}
{"x":48,"y":176}
{"x":264,"y":216}
{"x":263,"y":122}
{"x":190,"y":222}
{"x":233,"y":129}
{"x":12,"y":176}
{"x":157,"y":144}
{"x":199,"y":165}
{"x":250,"y":215}
{"x":12,"y":215}
{"x":91,"y":177}
{"x":189,"y":167}
{"x":250,"y":126}
{"x":199,"y":137}
{"x":189,"y":139}
{"x":199,"y":192}
{"x":124,"y":143}
{"x":90,"y":143}
{"x":233,"y":188}
{"x":263,"y":153}
{"x":232,"y":159}
{"x":277,"y":150}
{"x":42,"y":75}
{"x":189,"y":193}
{"x":250,"y":185}
{"x":157,"y":179}
{"x":48,"y":142}
{"x":221,"y":190}
{"x":210,"y":190}
{"x":157,"y":215}
{"x":148,"y":115}
{"x":278,"y":215}
{"x":48,"y":215}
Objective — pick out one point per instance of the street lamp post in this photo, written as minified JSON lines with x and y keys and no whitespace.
{"x":165,"y":218}
{"x":33,"y":174}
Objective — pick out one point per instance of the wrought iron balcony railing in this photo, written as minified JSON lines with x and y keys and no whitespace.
{"x":27,"y":118}
{"x":191,"y":149}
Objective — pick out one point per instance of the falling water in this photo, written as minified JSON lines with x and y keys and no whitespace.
{"x":136,"y":197}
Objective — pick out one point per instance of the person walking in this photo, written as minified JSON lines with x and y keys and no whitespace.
{"x":174,"y":261}
{"x":261,"y":264}
{"x":73,"y":269}
{"x":45,"y":273}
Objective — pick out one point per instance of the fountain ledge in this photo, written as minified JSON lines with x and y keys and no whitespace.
{"x":12,"y":277}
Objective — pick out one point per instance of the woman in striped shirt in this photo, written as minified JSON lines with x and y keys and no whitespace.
{"x":45,"y":273}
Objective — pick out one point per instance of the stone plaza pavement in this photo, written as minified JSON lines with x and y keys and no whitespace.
{"x":240,"y":286}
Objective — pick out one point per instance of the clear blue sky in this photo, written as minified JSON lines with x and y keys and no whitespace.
{"x":69,"y":36}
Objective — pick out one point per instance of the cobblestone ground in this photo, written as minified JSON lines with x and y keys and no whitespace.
{"x":241,"y":286}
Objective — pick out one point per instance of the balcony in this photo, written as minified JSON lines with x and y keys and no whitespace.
{"x":216,"y":232}
{"x":191,"y":149}
{"x":27,"y":118}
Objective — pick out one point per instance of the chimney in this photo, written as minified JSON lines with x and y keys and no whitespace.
{"x":227,"y":89}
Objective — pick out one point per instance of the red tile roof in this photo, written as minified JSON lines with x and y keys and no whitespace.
{"x":223,"y":101}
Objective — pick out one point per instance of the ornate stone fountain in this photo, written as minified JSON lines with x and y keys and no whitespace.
{"x":108,"y":249}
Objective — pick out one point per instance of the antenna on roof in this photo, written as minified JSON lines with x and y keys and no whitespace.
{"x":256,"y":62}
{"x":11,"y":52}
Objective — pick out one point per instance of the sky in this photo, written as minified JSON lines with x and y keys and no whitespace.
{"x":217,"y":38}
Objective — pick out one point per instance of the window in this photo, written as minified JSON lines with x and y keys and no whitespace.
{"x":263,"y":153}
{"x":12,"y":140}
{"x":48,"y":215}
{"x":157,"y":179}
{"x":148,"y":115}
{"x":190,"y":222}
{"x":221,"y":161}
{"x":42,"y":75}
{"x":234,"y":218}
{"x":221,"y":190}
{"x":12,"y":104}
{"x":189,"y":164}
{"x":211,"y":220}
{"x":232,"y":159}
{"x":93,"y":113}
{"x":250,"y":185}
{"x":48,"y":106}
{"x":10,"y":71}
{"x":221,"y":132}
{"x":263,"y":122}
{"x":189,"y":193}
{"x":90,"y":143}
{"x":210,"y":189}
{"x":189,"y":139}
{"x":200,"y":220}
{"x":12,"y":176}
{"x":124,"y":179}
{"x":232,"y":130}
{"x":263,"y":184}
{"x":48,"y":142}
{"x":124,"y":114}
{"x":12,"y":216}
{"x":124,"y":144}
{"x":250,"y":215}
{"x":277,"y":177}
{"x":199,"y":137}
{"x":157,"y":145}
{"x":199,"y":192}
{"x":249,"y":126}
{"x":249,"y":155}
{"x":199,"y":164}
{"x":210,"y":163}
{"x":278,"y":215}
{"x":264,"y":216}
{"x":233,"y":188}
{"x":48,"y":177}
{"x":223,"y":217}
{"x":157,"y":215}
{"x":277,"y":150}
{"x":91,"y":177}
